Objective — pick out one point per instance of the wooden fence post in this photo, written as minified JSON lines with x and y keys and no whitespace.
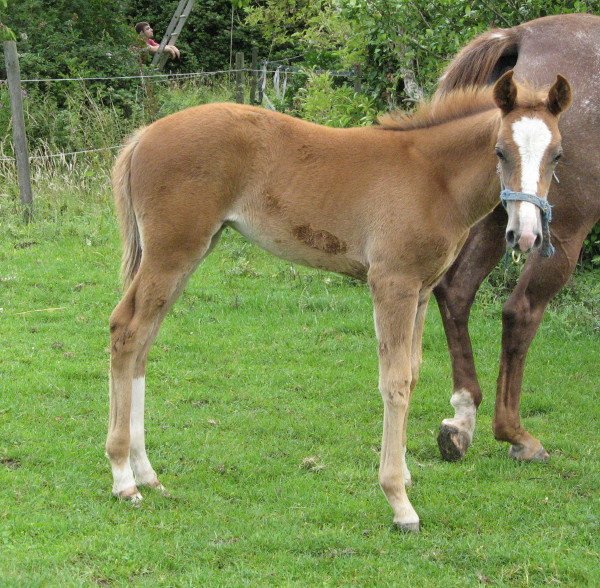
{"x":254,"y":82}
{"x":18,"y":122}
{"x":239,"y":78}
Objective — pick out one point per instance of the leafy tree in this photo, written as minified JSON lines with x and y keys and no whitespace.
{"x":96,"y":38}
{"x":402,"y":44}
{"x":410,"y":41}
{"x":5,"y":33}
{"x":71,"y":39}
{"x":315,"y":29}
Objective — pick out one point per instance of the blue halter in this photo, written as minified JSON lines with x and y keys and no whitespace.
{"x":547,"y":249}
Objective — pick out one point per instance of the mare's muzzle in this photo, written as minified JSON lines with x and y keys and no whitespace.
{"x":547,"y":249}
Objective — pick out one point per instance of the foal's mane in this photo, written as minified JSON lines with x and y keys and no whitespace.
{"x":456,"y":105}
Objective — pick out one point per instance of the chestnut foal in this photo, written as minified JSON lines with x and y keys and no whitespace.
{"x":390,"y":204}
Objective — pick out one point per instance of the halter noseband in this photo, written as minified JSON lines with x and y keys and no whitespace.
{"x":547,"y":249}
{"x":506,"y":195}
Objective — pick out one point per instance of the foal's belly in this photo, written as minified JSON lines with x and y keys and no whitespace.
{"x":304,"y":244}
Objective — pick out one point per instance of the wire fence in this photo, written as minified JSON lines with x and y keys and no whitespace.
{"x":291,"y":69}
{"x":279,"y":72}
{"x":51,"y":155}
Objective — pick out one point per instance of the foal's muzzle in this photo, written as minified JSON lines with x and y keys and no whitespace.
{"x":547,"y":249}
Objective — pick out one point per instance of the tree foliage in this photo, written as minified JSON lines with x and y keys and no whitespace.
{"x":96,"y":38}
{"x":402,"y":44}
{"x":73,"y":39}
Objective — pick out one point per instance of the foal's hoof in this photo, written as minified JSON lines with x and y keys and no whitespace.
{"x":408,"y":527}
{"x":160,"y":488}
{"x":453,"y":442}
{"x":525,"y":453}
{"x":130,"y":494}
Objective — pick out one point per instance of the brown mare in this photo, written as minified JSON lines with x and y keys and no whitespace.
{"x":537,"y":50}
{"x":391,"y":205}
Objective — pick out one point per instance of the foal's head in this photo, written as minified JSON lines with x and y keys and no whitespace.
{"x":528,"y":149}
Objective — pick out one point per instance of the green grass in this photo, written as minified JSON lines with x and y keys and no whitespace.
{"x":264,"y":420}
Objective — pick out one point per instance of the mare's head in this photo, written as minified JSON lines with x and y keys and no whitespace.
{"x":528,"y":149}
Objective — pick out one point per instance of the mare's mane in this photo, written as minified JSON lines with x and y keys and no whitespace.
{"x":456,"y":105}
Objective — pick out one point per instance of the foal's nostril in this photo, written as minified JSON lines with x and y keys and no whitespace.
{"x":510,"y":238}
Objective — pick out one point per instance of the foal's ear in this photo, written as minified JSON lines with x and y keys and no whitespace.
{"x":505,"y":93}
{"x":559,"y":96}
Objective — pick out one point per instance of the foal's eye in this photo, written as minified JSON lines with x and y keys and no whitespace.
{"x":500,"y":155}
{"x":557,"y":158}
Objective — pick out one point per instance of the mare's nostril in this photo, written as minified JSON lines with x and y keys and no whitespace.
{"x":538,"y":242}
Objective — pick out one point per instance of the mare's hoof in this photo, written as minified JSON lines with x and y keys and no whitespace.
{"x":524,"y":453}
{"x":452,"y":442}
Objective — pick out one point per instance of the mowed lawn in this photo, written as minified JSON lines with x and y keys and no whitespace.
{"x":264,"y":421}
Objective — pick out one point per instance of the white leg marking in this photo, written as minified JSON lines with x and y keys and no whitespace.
{"x":144,"y":474}
{"x":532,"y":137}
{"x":464,"y":413}
{"x":123,"y":479}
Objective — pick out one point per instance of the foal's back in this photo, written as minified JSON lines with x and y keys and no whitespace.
{"x":307,"y":193}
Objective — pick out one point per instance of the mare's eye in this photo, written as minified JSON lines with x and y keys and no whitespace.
{"x":500,"y":155}
{"x":557,"y":158}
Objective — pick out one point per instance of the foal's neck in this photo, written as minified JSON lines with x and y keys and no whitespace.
{"x":465,"y":150}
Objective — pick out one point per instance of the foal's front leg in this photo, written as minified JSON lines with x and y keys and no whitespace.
{"x":395,"y":300}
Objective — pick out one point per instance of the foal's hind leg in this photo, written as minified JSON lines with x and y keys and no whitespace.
{"x":455,"y":294}
{"x":134,"y":325}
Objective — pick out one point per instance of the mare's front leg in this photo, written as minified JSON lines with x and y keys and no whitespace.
{"x":522,"y":313}
{"x":455,"y":294}
{"x":395,"y":299}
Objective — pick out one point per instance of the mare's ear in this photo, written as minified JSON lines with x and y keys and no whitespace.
{"x":505,"y":93}
{"x":559,"y":96}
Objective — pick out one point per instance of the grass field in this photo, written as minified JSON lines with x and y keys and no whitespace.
{"x":264,"y":421}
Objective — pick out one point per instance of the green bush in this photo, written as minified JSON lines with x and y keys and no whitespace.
{"x":73,"y":39}
{"x":321,"y":101}
{"x":590,"y":252}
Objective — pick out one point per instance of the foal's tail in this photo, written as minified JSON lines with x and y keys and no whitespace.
{"x":130,"y":233}
{"x":482,"y":61}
